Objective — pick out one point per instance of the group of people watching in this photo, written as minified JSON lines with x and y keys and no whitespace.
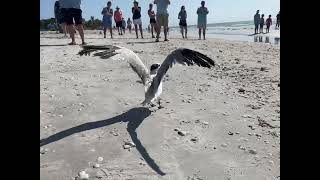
{"x":259,"y":22}
{"x":69,"y":14}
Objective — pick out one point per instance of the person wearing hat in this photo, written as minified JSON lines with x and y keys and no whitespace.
{"x":136,"y":16}
{"x":118,"y":19}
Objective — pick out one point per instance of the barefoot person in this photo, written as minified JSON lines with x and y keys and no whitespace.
{"x":124,"y":24}
{"x":152,"y":17}
{"x":278,"y":21}
{"x":136,"y":11}
{"x":118,"y":19}
{"x":261,"y":23}
{"x":129,"y":25}
{"x":268,"y":23}
{"x":72,"y":12}
{"x":256,"y":20}
{"x":183,"y":22}
{"x":107,"y":13}
{"x":59,"y":19}
{"x":202,"y":19}
{"x":162,"y":17}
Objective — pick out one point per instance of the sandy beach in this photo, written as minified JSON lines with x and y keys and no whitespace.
{"x":228,"y":117}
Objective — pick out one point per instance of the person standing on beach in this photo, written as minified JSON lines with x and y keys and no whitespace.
{"x":136,"y":11}
{"x":183,"y":21}
{"x":118,"y":19}
{"x":268,"y":23}
{"x":278,"y":21}
{"x":162,"y":17}
{"x":59,"y":19}
{"x":202,"y":19}
{"x":152,"y":17}
{"x":256,"y":22}
{"x":129,"y":24}
{"x":261,"y":23}
{"x":71,"y":11}
{"x":123,"y":25}
{"x":107,"y":13}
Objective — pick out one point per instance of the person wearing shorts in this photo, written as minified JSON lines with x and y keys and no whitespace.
{"x":61,"y":26}
{"x":162,"y":17}
{"x":136,"y":11}
{"x":107,"y":13}
{"x":202,"y":19}
{"x":152,"y":17}
{"x":118,"y":19}
{"x":72,"y":12}
{"x":183,"y":21}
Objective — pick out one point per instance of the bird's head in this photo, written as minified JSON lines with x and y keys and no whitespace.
{"x":154,"y":68}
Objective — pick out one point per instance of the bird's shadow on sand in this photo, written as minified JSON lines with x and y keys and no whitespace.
{"x":134,"y":117}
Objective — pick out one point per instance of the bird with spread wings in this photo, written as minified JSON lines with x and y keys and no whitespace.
{"x":151,"y":79}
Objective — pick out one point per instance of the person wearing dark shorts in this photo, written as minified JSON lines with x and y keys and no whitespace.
{"x":72,"y":12}
{"x":183,"y":21}
{"x":118,"y":19}
{"x":152,"y":17}
{"x":256,"y":22}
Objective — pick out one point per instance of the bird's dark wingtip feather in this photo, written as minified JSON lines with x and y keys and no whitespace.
{"x":197,"y":57}
{"x":109,"y":50}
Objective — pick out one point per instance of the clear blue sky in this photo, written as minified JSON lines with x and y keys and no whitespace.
{"x":219,"y":10}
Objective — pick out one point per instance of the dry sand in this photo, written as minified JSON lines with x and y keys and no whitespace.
{"x":89,"y":108}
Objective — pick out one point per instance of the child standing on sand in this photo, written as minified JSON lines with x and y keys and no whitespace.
{"x":183,"y":21}
{"x":107,"y":13}
{"x":152,"y":16}
{"x":268,"y":23}
{"x":124,"y":25}
{"x":202,"y":19}
{"x":129,"y":22}
{"x":261,"y":23}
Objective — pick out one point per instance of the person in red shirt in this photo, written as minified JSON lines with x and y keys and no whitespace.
{"x":118,"y":19}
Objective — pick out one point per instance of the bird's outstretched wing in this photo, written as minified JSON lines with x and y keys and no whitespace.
{"x":181,"y":56}
{"x":108,"y":51}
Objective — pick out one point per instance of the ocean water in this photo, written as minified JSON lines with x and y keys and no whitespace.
{"x":240,"y":31}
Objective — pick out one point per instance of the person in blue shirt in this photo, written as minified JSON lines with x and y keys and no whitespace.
{"x":202,"y":19}
{"x":162,"y":17}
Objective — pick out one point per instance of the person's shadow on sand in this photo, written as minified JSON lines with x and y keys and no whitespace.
{"x":134,"y":117}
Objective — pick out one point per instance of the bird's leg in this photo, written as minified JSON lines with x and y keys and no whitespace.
{"x":159,"y":102}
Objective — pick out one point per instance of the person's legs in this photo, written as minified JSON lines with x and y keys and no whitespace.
{"x":140,"y":28}
{"x":111,"y":33}
{"x":152,"y":27}
{"x":104,"y":32}
{"x":136,"y":29}
{"x":158,"y":27}
{"x":77,"y":15}
{"x":165,"y":27}
{"x":199,"y":33}
{"x":81,"y":33}
{"x":181,"y":30}
{"x":186,"y":30}
{"x":64,"y":27}
{"x":204,"y":33}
